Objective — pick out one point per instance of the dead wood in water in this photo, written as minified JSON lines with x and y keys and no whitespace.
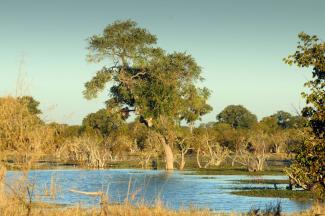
{"x":97,"y":193}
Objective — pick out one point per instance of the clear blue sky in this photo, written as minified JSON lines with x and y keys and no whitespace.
{"x":239,"y":44}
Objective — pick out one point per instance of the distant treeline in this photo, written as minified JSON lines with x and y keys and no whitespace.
{"x":105,"y":137}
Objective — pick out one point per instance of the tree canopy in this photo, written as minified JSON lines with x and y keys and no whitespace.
{"x":308,"y":169}
{"x":145,"y":78}
{"x":284,"y":120}
{"x":103,"y":121}
{"x":237,"y":116}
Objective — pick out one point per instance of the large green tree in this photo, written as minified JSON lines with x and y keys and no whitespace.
{"x":283,"y":119}
{"x":146,"y":80}
{"x":308,"y":169}
{"x":237,"y":116}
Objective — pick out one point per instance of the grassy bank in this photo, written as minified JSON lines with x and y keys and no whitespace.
{"x":291,"y":194}
{"x":262,"y":181}
{"x":127,"y":209}
{"x":228,"y":170}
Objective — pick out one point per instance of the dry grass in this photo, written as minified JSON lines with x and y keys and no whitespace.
{"x":318,"y":209}
{"x":22,"y":134}
{"x":125,"y":210}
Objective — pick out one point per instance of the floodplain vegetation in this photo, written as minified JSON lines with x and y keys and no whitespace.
{"x":159,"y":89}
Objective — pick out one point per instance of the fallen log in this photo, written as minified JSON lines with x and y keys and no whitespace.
{"x":98,"y":193}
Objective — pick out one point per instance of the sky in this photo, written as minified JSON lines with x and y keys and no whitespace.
{"x":239,"y":45}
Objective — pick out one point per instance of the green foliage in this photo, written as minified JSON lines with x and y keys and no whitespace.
{"x":31,"y":104}
{"x":237,"y":116}
{"x":297,"y":195}
{"x":195,"y":103}
{"x":103,"y":121}
{"x":226,"y":135}
{"x":97,"y":83}
{"x":121,"y":41}
{"x":283,"y":119}
{"x":64,"y":131}
{"x":262,"y":181}
{"x":158,"y":87}
{"x":269,"y":124}
{"x":309,"y":166}
{"x":139,"y":132}
{"x":299,"y":121}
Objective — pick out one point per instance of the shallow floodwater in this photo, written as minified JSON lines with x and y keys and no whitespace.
{"x":176,"y":190}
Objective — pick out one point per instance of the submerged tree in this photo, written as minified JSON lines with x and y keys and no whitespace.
{"x":308,"y":169}
{"x":146,"y":80}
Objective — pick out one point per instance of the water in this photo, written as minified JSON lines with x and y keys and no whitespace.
{"x":176,"y":190}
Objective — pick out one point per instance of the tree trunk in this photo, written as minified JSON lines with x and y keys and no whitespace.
{"x":198,"y":158}
{"x":260,"y":164}
{"x":191,"y":126}
{"x":182,"y":164}
{"x":277,"y":149}
{"x":169,"y":157}
{"x":207,"y":164}
{"x":234,"y":160}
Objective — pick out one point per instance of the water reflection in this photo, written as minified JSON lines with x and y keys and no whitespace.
{"x":174,"y":189}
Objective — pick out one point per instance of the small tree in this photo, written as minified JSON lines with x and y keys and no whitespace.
{"x":254,"y":153}
{"x":308,"y":168}
{"x":278,"y":135}
{"x":86,"y":150}
{"x":279,"y":140}
{"x":209,"y":148}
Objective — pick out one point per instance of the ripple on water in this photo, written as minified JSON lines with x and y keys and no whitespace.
{"x":176,"y":190}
